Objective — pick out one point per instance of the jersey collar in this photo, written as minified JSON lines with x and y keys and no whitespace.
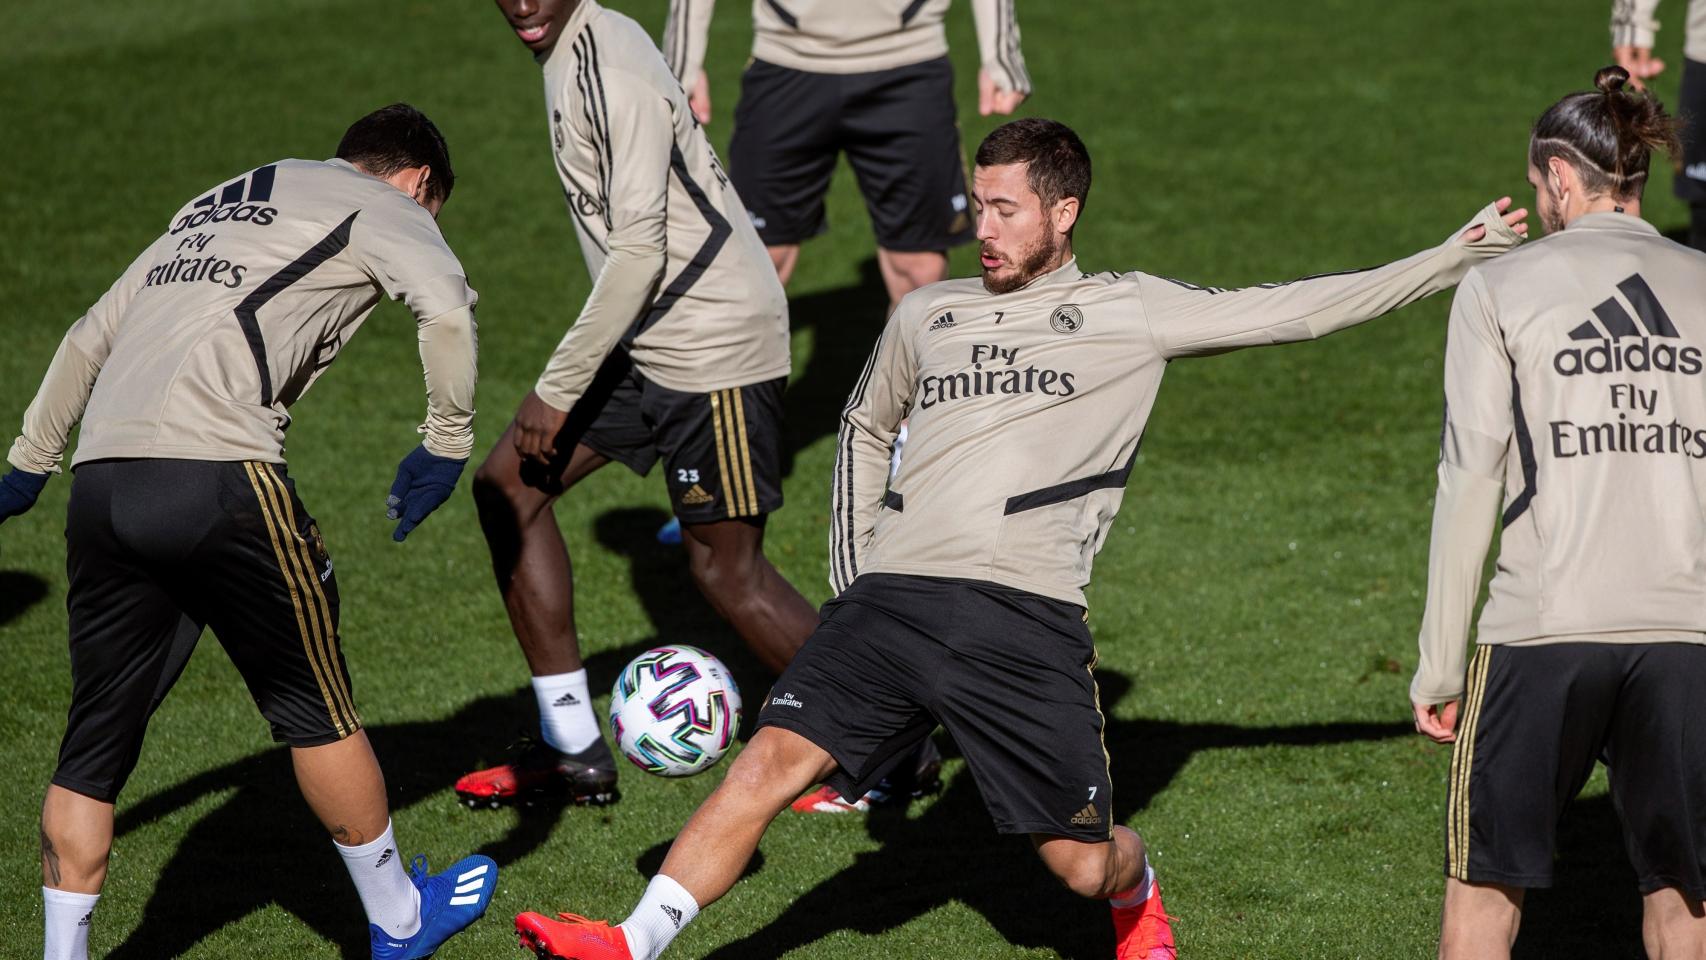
{"x":1064,"y":272}
{"x":1612,"y":221}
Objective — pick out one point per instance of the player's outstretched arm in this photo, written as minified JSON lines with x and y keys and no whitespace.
{"x":427,"y":476}
{"x":64,"y":393}
{"x":685,"y":35}
{"x":1188,"y":320}
{"x":1478,"y":427}
{"x":1002,"y":82}
{"x":870,"y":421}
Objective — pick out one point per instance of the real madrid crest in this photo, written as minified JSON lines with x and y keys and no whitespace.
{"x":1066,"y":318}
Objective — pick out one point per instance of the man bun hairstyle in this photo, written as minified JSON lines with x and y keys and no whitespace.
{"x":397,"y":137}
{"x":1608,"y":135}
{"x":1056,"y":163}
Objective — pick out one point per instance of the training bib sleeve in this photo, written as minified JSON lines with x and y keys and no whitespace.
{"x":1473,"y":445}
{"x":998,"y":44}
{"x":637,"y":135}
{"x":65,"y":388}
{"x":685,"y":35}
{"x":869,"y":424}
{"x":1188,"y":320}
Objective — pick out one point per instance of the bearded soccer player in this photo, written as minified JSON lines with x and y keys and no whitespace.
{"x":182,"y":513}
{"x":870,"y":79}
{"x":960,"y":582}
{"x":680,"y":354}
{"x":1575,"y":414}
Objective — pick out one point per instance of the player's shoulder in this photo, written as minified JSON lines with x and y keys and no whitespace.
{"x":617,"y":45}
{"x":925,"y":301}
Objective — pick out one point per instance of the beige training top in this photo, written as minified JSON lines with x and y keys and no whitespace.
{"x":1634,"y":23}
{"x":200,"y":348}
{"x":1026,"y":408}
{"x":681,"y":279}
{"x":851,"y":36}
{"x":1574,"y":401}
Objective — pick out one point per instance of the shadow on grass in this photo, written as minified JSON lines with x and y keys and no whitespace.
{"x":19,"y":591}
{"x":845,"y":323}
{"x":950,"y":853}
{"x":1592,"y":908}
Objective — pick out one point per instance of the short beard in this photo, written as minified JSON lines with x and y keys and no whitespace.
{"x":1034,"y":261}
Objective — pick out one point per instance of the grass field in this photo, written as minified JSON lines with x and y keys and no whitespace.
{"x":1255,"y":607}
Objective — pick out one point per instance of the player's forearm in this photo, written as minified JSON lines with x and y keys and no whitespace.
{"x":998,"y":44}
{"x":56,"y":409}
{"x":621,"y":295}
{"x":685,"y":36}
{"x":1464,"y":507}
{"x":449,"y":346}
{"x":1634,"y":23}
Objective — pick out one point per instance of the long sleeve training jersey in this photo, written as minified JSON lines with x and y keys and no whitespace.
{"x":1634,"y":23}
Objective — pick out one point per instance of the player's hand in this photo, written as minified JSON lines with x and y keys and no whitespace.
{"x":535,"y":430}
{"x":699,"y":99}
{"x":424,"y":481}
{"x":18,"y":492}
{"x":1640,"y":63}
{"x":990,"y":99}
{"x":1516,"y":219}
{"x":1437,"y":721}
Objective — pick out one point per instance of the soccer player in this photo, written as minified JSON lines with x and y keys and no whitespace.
{"x":869,"y":78}
{"x":1633,"y":30}
{"x":182,"y":513}
{"x":679,"y":354}
{"x":1575,"y":414}
{"x":960,"y":581}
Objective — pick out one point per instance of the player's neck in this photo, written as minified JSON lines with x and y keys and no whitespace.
{"x":1627,"y":206}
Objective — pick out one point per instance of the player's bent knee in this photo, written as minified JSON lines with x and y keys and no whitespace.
{"x":779,"y":761}
{"x":1083,"y":868}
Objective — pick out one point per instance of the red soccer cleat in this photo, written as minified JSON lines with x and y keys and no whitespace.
{"x":541,"y":773}
{"x":571,"y":938}
{"x":1144,"y":932}
{"x":826,"y":800}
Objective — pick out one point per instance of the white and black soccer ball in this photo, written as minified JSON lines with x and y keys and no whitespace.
{"x":674,"y":710}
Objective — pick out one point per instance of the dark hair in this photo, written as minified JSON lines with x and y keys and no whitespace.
{"x":1607,"y":135}
{"x":1057,"y":164}
{"x":395,"y":137}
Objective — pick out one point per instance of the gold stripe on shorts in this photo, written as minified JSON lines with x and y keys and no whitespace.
{"x":264,"y":497}
{"x":745,"y":456}
{"x":1096,"y":700}
{"x":1462,"y":766}
{"x":722,"y":452}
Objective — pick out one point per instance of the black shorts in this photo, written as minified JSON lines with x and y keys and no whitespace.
{"x":898,"y":130}
{"x":1533,"y":722}
{"x":155,"y":550}
{"x":1006,"y":672}
{"x":721,"y":451}
{"x":1690,"y":183}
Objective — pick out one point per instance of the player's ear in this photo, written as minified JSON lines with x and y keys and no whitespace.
{"x":1065,"y":214}
{"x":1560,"y":176}
{"x":419,"y":192}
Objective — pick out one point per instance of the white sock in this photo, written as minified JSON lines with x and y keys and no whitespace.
{"x":1144,"y":889}
{"x":662,"y":912}
{"x":67,"y":923}
{"x":565,"y":711}
{"x":390,"y":899}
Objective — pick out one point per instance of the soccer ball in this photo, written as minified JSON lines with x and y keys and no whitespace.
{"x":674,"y":710}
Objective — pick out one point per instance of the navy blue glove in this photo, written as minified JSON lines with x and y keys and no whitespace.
{"x":18,"y":492}
{"x":423,"y":483}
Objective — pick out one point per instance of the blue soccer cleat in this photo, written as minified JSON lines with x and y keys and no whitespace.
{"x":670,"y":533}
{"x":450,"y":901}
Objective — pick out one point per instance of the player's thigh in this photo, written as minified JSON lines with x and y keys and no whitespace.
{"x":1656,"y":760}
{"x":858,"y":687}
{"x":1020,"y":700}
{"x":1533,"y":723}
{"x":721,"y":450}
{"x":272,"y":601}
{"x":123,"y":623}
{"x":783,"y":148}
{"x":904,"y":145}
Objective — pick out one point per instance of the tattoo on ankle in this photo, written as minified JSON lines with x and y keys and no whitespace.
{"x":49,"y":861}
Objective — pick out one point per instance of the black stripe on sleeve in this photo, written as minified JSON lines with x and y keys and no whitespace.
{"x":1525,"y":452}
{"x":329,"y":246}
{"x":844,"y":567}
{"x":598,"y":134}
{"x":603,"y":110}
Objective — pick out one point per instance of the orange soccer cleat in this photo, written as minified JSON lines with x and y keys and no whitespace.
{"x":571,"y":938}
{"x":1144,"y":931}
{"x":539,"y":773}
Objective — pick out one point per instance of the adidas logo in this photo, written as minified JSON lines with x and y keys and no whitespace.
{"x":673,"y":914}
{"x":695,"y":496}
{"x":86,"y":918}
{"x":384,"y":858}
{"x":566,"y":700}
{"x":1087,"y":817}
{"x":230,"y":203}
{"x":1611,"y":354}
{"x":942,"y":322}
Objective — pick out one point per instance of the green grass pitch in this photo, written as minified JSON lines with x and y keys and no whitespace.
{"x":1255,"y":608}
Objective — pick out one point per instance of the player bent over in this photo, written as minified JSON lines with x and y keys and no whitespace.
{"x":1575,"y":413}
{"x":680,"y":354}
{"x":182,"y":513}
{"x":1028,"y":392}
